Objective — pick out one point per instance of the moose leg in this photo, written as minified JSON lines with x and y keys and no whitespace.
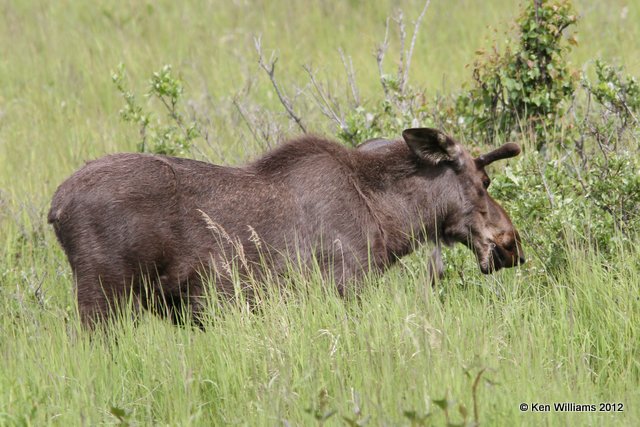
{"x":95,"y":304}
{"x":104,"y":289}
{"x":345,"y":269}
{"x":196,"y":309}
{"x":436,"y":267}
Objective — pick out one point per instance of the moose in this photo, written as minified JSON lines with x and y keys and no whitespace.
{"x":133,"y":222}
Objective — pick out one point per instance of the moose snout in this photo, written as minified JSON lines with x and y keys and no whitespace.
{"x":505,"y":254}
{"x":512,"y":254}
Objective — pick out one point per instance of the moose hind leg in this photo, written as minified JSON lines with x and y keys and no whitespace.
{"x":95,"y":304}
{"x":104,"y":292}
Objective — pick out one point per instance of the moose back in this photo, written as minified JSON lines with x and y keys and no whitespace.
{"x":128,"y":222}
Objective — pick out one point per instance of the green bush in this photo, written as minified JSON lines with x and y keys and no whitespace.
{"x":619,"y":93}
{"x":523,"y":93}
{"x":548,"y":199}
{"x":617,"y":97}
{"x":172,"y":138}
{"x":388,"y":117}
{"x":528,"y":84}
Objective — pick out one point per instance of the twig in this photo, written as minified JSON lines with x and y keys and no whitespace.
{"x":546,"y":186}
{"x":416,"y":27}
{"x":37,"y":292}
{"x":245,"y":119}
{"x":203,"y":121}
{"x":270,"y":70}
{"x":323,"y":101}
{"x":348,"y":68}
{"x":382,"y":50}
{"x":171,"y":109}
{"x":403,"y":36}
{"x":474,"y":393}
{"x":575,"y":167}
{"x":582,"y":125}
{"x":629,"y":111}
{"x":538,"y":5}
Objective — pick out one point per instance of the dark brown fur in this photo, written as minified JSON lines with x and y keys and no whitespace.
{"x":168,"y":220}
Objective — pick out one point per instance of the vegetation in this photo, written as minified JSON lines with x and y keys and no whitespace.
{"x":170,"y":139}
{"x":561,"y":328}
{"x":528,"y":84}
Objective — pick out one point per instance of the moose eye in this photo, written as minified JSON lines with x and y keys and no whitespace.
{"x":486,"y":182}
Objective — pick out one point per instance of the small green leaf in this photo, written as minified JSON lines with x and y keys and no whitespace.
{"x":442,"y":403}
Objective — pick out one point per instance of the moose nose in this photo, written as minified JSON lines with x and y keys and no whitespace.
{"x":521,"y":260}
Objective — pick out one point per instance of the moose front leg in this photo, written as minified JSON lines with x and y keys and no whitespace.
{"x":436,"y":267}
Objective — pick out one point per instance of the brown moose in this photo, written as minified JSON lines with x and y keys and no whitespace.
{"x":130,"y":222}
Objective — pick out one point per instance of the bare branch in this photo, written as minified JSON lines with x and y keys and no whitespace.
{"x":629,"y":111}
{"x":546,"y":187}
{"x":576,"y":169}
{"x":416,"y":27}
{"x":382,"y":50}
{"x":324,"y":100}
{"x":270,"y":70}
{"x":250,"y":125}
{"x":348,"y":68}
{"x":264,"y":128}
{"x":174,"y":114}
{"x":403,"y":37}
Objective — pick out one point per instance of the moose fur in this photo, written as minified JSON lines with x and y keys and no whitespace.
{"x":129,"y":220}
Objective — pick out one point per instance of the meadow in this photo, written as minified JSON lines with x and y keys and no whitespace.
{"x":562,"y":328}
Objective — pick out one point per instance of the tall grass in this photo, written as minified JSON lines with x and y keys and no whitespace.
{"x":390,"y":357}
{"x":384,"y":358}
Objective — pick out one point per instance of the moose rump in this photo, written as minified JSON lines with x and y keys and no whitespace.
{"x":111,"y":231}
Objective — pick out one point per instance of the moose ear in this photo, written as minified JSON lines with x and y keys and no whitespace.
{"x":432,"y":146}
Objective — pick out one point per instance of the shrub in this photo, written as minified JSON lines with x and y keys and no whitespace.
{"x":549,"y":198}
{"x":528,"y":83}
{"x":618,"y":104}
{"x":172,"y":138}
{"x":619,"y":93}
{"x":387,"y":117}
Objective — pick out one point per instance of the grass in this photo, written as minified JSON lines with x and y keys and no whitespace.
{"x":569,"y":338}
{"x":569,"y":335}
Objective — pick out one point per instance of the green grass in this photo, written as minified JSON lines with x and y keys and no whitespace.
{"x":570,"y":335}
{"x":568,"y":338}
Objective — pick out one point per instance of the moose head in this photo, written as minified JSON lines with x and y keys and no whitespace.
{"x":471,"y":215}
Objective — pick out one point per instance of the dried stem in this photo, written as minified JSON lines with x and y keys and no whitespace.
{"x":250,"y":125}
{"x":382,"y":50}
{"x":546,"y":187}
{"x":173,"y":113}
{"x":474,"y":393}
{"x":348,"y":68}
{"x":416,"y":27}
{"x":405,"y":54}
{"x":270,"y":69}
{"x":327,"y":106}
{"x":264,"y":129}
{"x":403,"y":36}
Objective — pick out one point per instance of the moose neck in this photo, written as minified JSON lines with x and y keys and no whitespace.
{"x":408,"y":212}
